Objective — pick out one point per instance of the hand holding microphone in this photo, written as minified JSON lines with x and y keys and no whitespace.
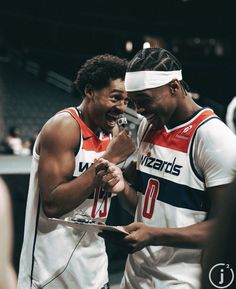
{"x":121,"y":146}
{"x":123,"y":125}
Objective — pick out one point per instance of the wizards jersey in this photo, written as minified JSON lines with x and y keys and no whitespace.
{"x":56,"y":256}
{"x":174,"y":168}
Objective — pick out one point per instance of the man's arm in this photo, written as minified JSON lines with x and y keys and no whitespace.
{"x":60,"y":191}
{"x":128,"y":198}
{"x":110,"y":177}
{"x":193,"y":236}
{"x":120,"y":148}
{"x":141,"y":235}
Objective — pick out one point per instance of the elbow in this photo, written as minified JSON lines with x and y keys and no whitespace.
{"x":50,"y":210}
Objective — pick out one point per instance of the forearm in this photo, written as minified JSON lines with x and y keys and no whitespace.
{"x":128,"y":199}
{"x":113,"y":158}
{"x":195,"y":236}
{"x":120,"y":148}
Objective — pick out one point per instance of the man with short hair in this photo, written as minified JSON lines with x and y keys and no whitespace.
{"x":63,"y":185}
{"x":186,"y":156}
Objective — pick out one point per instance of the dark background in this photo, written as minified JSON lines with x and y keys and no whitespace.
{"x":60,"y":35}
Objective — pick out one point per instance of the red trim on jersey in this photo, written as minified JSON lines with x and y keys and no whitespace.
{"x":179,"y":138}
{"x":90,"y":141}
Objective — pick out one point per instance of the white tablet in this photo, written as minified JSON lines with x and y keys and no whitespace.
{"x":89,"y":226}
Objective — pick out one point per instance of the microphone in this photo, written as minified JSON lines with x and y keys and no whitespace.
{"x":122,"y":122}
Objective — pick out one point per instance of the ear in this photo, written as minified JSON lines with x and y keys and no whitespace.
{"x":174,"y":85}
{"x":89,"y":92}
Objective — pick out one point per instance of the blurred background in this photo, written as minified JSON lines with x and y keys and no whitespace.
{"x":43,"y":43}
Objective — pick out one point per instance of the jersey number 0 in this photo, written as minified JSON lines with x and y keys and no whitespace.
{"x":151,"y":194}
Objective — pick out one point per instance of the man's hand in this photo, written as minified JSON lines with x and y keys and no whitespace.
{"x":109,"y":176}
{"x":120,"y":148}
{"x":139,"y":236}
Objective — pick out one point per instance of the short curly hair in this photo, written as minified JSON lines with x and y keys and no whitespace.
{"x":99,"y":71}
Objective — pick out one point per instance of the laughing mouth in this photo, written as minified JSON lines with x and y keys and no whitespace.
{"x":112,"y":117}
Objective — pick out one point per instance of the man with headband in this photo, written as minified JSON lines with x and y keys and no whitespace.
{"x":185,"y":158}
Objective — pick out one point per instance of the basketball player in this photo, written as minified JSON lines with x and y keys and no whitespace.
{"x":62,"y":183}
{"x":186,"y":157}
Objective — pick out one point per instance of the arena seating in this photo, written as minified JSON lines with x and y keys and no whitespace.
{"x":30,"y":102}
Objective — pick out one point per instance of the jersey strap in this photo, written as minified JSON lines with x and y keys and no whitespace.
{"x":91,"y":141}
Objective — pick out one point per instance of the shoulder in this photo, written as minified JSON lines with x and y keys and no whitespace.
{"x":215,"y":138}
{"x":62,"y":129}
{"x":214,"y":152}
{"x":214,"y":131}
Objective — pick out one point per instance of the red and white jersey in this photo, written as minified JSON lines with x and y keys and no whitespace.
{"x":175,"y":167}
{"x":56,"y":256}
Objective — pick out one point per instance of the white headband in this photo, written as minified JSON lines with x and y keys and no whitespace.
{"x":141,"y":80}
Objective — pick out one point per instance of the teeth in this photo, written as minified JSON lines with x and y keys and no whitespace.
{"x":115,"y":117}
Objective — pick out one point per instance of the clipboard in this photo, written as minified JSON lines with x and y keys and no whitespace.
{"x":90,"y":226}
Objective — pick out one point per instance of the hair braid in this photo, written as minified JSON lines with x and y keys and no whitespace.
{"x":157,"y":59}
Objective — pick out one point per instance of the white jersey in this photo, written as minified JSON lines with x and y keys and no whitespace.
{"x":175,"y":167}
{"x":56,"y":256}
